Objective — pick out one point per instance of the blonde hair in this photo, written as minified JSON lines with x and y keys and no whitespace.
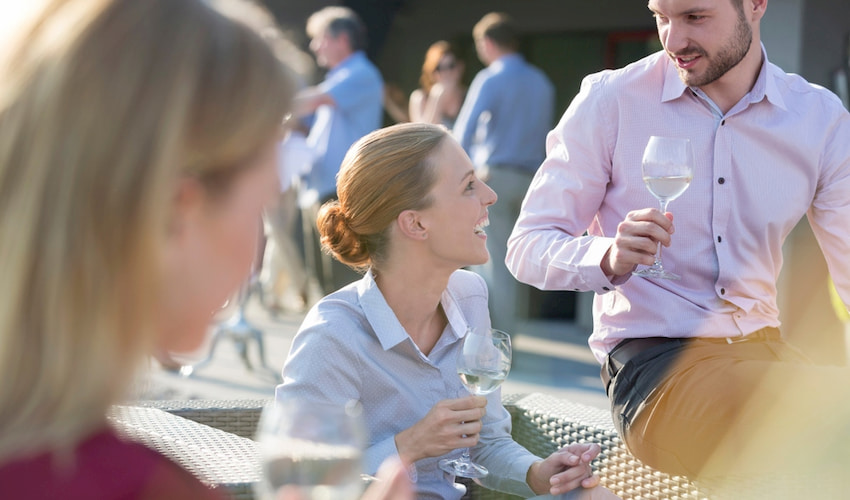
{"x":383,"y":174}
{"x":104,"y":106}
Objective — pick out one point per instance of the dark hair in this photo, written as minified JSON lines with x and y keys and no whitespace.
{"x":499,"y":28}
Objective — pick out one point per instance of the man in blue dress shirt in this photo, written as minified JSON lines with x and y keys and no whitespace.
{"x":344,"y":107}
{"x":502,"y":125}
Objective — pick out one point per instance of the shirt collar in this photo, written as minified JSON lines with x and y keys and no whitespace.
{"x":384,"y":322}
{"x":765,"y":85}
{"x":378,"y":313}
{"x":673,"y":85}
{"x":348,"y":61}
{"x":506,"y":60}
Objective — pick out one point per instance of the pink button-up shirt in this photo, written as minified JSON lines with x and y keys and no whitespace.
{"x":780,"y":153}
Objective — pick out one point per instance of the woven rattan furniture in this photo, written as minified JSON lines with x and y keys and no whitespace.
{"x":211,"y":439}
{"x":218,"y":458}
{"x":197,"y":433}
{"x":544,"y":423}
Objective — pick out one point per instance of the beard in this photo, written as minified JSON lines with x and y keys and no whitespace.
{"x":726,"y":58}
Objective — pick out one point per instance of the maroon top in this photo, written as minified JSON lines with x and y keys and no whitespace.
{"x":103,"y":467}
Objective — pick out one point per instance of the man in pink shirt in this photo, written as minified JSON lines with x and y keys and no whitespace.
{"x":700,"y":380}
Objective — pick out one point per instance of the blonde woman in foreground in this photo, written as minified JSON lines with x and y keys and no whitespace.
{"x":138,"y":147}
{"x":412,"y":213}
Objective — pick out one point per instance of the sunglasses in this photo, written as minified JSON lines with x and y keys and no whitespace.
{"x":446,"y":67}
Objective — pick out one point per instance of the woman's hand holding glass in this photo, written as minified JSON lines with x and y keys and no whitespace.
{"x":450,"y":424}
{"x":483,"y":364}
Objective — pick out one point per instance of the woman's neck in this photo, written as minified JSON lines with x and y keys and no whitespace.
{"x":413,"y":293}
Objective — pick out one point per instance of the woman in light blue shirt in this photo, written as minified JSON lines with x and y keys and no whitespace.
{"x":411,"y":213}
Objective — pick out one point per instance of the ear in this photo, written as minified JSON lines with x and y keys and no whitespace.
{"x":181,"y":240}
{"x":343,"y":37}
{"x":186,"y":204}
{"x":410,"y":224}
{"x":757,"y":8}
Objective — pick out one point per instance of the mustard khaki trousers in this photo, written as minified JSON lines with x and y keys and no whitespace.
{"x":708,"y":408}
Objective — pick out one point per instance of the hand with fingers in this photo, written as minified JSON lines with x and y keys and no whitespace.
{"x":450,"y":424}
{"x":565,"y":470}
{"x":637,"y":240}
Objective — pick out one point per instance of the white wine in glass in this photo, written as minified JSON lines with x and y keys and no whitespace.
{"x":667,"y":168}
{"x":483,"y":364}
{"x":310,"y":451}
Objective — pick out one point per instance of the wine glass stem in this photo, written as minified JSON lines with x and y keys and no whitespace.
{"x":658,"y":265}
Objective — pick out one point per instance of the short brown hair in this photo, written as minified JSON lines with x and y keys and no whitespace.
{"x":499,"y":28}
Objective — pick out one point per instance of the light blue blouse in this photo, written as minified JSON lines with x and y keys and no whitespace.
{"x":351,"y":346}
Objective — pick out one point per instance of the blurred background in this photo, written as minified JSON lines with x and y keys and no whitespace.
{"x":567,"y":39}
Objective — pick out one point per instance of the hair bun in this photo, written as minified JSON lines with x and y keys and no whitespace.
{"x":338,"y":238}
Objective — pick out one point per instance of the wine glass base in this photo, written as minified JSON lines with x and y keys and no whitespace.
{"x":655,"y":273}
{"x":463,"y":468}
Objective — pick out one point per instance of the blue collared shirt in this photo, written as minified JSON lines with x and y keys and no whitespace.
{"x":351,"y":346}
{"x":506,"y":114}
{"x":357,"y":90}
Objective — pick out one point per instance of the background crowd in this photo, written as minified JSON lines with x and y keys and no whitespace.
{"x":141,"y":144}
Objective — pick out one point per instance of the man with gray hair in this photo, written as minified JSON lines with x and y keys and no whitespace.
{"x":347,"y":105}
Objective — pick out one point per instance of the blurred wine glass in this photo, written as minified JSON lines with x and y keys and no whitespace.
{"x":310,"y":451}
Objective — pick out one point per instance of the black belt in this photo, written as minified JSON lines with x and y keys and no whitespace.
{"x":626,"y":350}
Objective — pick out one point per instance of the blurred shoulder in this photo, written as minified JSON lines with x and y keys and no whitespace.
{"x":467,"y":283}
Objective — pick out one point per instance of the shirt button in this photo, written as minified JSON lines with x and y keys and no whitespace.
{"x":719,"y":239}
{"x":606,"y":288}
{"x":721,"y":180}
{"x":723,"y":122}
{"x":722,"y":291}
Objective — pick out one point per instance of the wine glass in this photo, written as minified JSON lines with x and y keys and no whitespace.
{"x":310,"y":451}
{"x":483,"y":364}
{"x":667,"y":168}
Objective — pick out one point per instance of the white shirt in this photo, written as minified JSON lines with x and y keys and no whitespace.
{"x":780,"y":153}
{"x":351,"y":346}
